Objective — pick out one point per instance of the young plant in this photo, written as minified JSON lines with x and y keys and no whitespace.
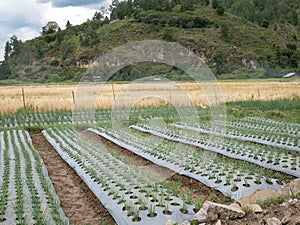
{"x":151,"y":210}
{"x":198,"y":204}
{"x":234,"y":187}
{"x":136,"y":215}
{"x":166,"y":209}
{"x":184,"y":208}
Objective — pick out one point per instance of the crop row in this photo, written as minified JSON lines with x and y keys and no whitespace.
{"x":266,"y":156}
{"x":283,"y":126}
{"x":130,"y":194}
{"x":229,"y":176}
{"x":22,"y":119}
{"x":266,"y":125}
{"x":26,"y":192}
{"x":286,"y":141}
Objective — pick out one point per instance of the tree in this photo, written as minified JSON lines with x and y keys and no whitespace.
{"x":97,"y":16}
{"x":68,"y":25}
{"x":5,"y":71}
{"x":121,"y":10}
{"x":215,"y":4}
{"x":220,"y":10}
{"x":50,"y":28}
{"x":264,"y":23}
{"x":7,"y":50}
{"x":176,"y":9}
{"x":14,"y":45}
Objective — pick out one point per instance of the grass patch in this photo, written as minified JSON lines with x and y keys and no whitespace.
{"x":272,"y":201}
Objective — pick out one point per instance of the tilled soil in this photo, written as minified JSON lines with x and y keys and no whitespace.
{"x":79,"y":203}
{"x":81,"y":206}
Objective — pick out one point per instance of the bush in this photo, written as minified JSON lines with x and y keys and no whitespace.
{"x":54,"y":63}
{"x":220,"y":10}
{"x":185,"y":20}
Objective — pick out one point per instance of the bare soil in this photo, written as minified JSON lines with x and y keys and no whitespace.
{"x":81,"y":206}
{"x":79,"y":203}
{"x":287,"y":212}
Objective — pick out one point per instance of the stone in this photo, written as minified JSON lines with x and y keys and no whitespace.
{"x":258,"y":196}
{"x":295,"y":186}
{"x":211,"y":212}
{"x":273,"y":221}
{"x":235,"y":205}
{"x":291,"y":189}
{"x":218,"y":223}
{"x":254,"y":207}
{"x":286,"y":219}
{"x":265,"y":212}
{"x":185,"y":223}
{"x":295,"y":220}
{"x":201,"y":215}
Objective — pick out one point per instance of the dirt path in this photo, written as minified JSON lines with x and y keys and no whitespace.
{"x":79,"y":203}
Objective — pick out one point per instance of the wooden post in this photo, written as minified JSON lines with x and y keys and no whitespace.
{"x":23,"y":94}
{"x":113,"y":89}
{"x":73,"y":96}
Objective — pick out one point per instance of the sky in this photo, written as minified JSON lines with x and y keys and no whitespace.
{"x":25,"y":18}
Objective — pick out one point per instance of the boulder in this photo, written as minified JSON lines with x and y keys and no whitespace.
{"x":254,"y":207}
{"x":293,"y":188}
{"x":258,"y":196}
{"x":285,"y":219}
{"x":218,"y":223}
{"x":273,"y":221}
{"x":211,"y":212}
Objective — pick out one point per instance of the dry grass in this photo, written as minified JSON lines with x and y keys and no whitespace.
{"x":53,"y":97}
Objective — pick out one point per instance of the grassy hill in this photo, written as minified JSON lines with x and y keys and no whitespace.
{"x":232,"y":46}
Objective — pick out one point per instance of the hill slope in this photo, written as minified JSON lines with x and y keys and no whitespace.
{"x":232,"y":46}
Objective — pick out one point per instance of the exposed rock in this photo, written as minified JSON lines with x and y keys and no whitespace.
{"x":286,"y":220}
{"x":254,"y":207}
{"x":218,"y":223}
{"x":293,"y":188}
{"x":211,"y":212}
{"x":185,"y":223}
{"x":260,"y":195}
{"x":236,"y":205}
{"x":290,"y":202}
{"x":273,"y":221}
{"x":201,"y":215}
{"x":295,"y":221}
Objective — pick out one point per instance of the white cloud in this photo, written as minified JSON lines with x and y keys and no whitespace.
{"x":25,"y":19}
{"x":75,"y":15}
{"x":66,"y":3}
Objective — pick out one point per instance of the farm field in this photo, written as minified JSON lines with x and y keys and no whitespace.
{"x":59,"y":97}
{"x":151,"y":166}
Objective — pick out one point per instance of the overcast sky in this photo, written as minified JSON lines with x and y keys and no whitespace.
{"x":25,"y":18}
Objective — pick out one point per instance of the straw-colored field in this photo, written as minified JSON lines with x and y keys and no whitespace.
{"x":52,"y":97}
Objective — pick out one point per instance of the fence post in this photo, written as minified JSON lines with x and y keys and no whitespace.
{"x":73,"y":96}
{"x":23,"y":95}
{"x":113,"y":89}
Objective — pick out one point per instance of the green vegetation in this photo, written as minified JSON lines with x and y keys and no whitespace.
{"x":237,"y":39}
{"x":283,"y":109}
